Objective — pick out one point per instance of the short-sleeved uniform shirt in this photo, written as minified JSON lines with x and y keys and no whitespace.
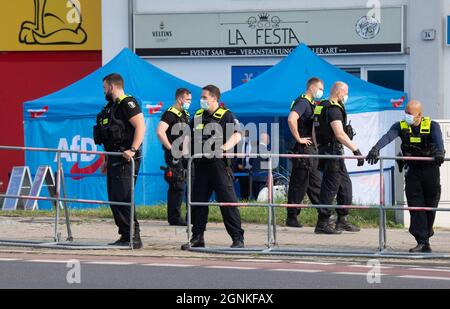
{"x":172,"y":119}
{"x":228,"y":118}
{"x":305,"y":110}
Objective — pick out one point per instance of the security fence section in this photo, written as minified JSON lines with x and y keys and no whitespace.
{"x":24,"y":193}
{"x":272,"y":248}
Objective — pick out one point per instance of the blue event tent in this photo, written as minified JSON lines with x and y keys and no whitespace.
{"x":272,"y":92}
{"x":373,"y":109}
{"x":65,"y":120}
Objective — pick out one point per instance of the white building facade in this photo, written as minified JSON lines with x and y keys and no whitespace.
{"x":408,"y":50}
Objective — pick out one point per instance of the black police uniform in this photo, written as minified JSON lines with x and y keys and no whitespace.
{"x":176,"y":170}
{"x":214,"y":175}
{"x":305,"y":175}
{"x":115,"y":132}
{"x":422,"y":179}
{"x":335,"y":178}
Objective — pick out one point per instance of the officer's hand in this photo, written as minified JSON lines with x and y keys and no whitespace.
{"x":128,"y":154}
{"x":401,"y":163}
{"x":439,"y":158}
{"x":359,"y":154}
{"x":306,"y":141}
{"x":374,"y":156}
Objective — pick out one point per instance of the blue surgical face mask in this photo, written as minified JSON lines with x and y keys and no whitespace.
{"x":409,"y":119}
{"x":186,"y":106}
{"x":345,"y":99}
{"x":204,"y":104}
{"x":318,"y":95}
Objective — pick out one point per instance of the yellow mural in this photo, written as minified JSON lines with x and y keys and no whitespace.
{"x":37,"y":25}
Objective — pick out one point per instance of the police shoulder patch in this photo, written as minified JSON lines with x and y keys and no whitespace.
{"x":131,"y":104}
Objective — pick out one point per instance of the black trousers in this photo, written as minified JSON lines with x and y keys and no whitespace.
{"x":119,"y":190}
{"x":175,"y":195}
{"x":213,"y":176}
{"x":336,"y":183}
{"x":305,"y":179}
{"x":244,"y":185}
{"x":423,"y":189}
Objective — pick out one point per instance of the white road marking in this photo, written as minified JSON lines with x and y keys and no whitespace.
{"x":47,"y":261}
{"x":259,"y":261}
{"x":424,"y":278}
{"x":431,"y":270}
{"x":167,"y":265}
{"x":314,"y":263}
{"x":8,"y":260}
{"x":369,"y":267}
{"x":230,"y":267}
{"x":109,"y":263}
{"x":299,"y":270}
{"x":353,"y":274}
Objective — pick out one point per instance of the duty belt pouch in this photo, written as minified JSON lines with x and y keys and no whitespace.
{"x":117,"y":134}
{"x":329,"y":165}
{"x":300,"y":163}
{"x":97,"y":135}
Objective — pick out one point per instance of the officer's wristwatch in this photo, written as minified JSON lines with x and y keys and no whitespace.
{"x":133,"y":150}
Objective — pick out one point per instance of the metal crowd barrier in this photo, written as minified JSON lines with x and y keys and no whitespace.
{"x":59,"y":199}
{"x":272,"y":247}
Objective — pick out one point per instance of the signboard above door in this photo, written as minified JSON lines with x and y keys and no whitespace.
{"x":267,"y":33}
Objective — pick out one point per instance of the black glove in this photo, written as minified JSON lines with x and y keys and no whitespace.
{"x":359,"y":154}
{"x":439,"y":157}
{"x":401,"y":163}
{"x":374,"y":156}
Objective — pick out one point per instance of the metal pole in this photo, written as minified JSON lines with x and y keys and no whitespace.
{"x":270,"y":240}
{"x":58,"y":196}
{"x":188,"y":202}
{"x":66,"y":209}
{"x":132,"y":206}
{"x":382,"y":227}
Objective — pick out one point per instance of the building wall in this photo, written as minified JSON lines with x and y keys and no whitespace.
{"x":427,"y":66}
{"x":27,"y":76}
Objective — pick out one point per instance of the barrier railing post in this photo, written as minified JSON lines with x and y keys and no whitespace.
{"x":188,"y":201}
{"x":270,"y":214}
{"x":382,"y":214}
{"x":58,"y":196}
{"x":132,"y":205}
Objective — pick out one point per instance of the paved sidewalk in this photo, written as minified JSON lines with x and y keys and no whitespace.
{"x":160,"y":239}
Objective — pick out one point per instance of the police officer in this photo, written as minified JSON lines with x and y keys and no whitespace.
{"x":421,"y":137}
{"x":170,"y":130}
{"x":333,"y":133}
{"x":305,"y":175}
{"x":120,"y":128}
{"x":215,"y":130}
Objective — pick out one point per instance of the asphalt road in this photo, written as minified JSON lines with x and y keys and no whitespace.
{"x":197,"y":274}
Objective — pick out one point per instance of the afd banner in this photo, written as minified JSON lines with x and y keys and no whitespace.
{"x":82,"y":172}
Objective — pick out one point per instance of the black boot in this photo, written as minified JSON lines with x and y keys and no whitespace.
{"x":292,"y":221}
{"x":238,"y":243}
{"x":122,"y":241}
{"x":196,"y":242}
{"x":323,"y":227}
{"x":343,"y":224}
{"x":137,"y":242}
{"x":178,"y":222}
{"x":421,"y":248}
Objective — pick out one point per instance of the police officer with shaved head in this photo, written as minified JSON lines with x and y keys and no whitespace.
{"x":421,"y":137}
{"x":333,"y":133}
